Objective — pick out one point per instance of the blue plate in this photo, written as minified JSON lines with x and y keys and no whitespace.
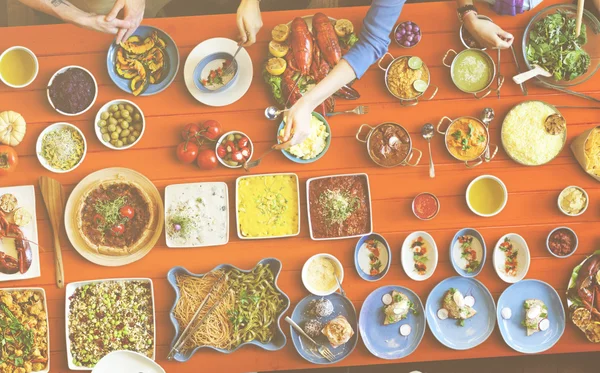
{"x":275,"y":344}
{"x":385,"y":341}
{"x":360,"y":272}
{"x":293,"y":158}
{"x":172,"y":63}
{"x":200,"y":67}
{"x":476,"y":329}
{"x":515,"y":334}
{"x":477,"y":235}
{"x":341,"y":306}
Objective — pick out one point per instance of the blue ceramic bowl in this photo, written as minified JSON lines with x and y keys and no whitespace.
{"x":172,"y":61}
{"x":515,"y":334}
{"x":341,"y":306}
{"x":457,"y":268}
{"x":385,"y":341}
{"x":360,"y":272}
{"x":202,"y":65}
{"x":295,"y":159}
{"x":476,"y":329}
{"x":276,"y":343}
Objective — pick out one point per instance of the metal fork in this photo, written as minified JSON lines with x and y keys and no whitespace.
{"x":359,"y":110}
{"x":232,"y":63}
{"x":324,"y":351}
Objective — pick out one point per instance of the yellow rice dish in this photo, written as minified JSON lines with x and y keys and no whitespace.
{"x":268,"y":206}
{"x":314,"y":144}
{"x":524,"y":135}
{"x":592,"y":152}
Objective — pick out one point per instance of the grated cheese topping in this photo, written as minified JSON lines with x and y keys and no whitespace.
{"x":62,"y":148}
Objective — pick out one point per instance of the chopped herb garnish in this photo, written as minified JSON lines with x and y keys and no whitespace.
{"x":338,"y":205}
{"x":457,"y":135}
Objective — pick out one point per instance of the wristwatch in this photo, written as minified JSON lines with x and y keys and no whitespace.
{"x":463,"y":10}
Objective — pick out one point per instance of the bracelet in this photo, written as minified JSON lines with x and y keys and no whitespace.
{"x":464,"y":10}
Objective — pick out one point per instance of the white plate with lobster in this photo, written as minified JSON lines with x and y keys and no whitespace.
{"x":237,"y":89}
{"x":25,"y":263}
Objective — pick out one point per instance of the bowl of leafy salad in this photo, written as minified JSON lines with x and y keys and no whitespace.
{"x":550,"y":42}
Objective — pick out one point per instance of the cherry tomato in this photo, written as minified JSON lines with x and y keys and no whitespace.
{"x":207,"y":159}
{"x":237,"y":156}
{"x":98,"y":219}
{"x":221,"y":152}
{"x":243,"y":142}
{"x":8,"y":160}
{"x":245,"y":152}
{"x":189,"y":131}
{"x":230,"y":146}
{"x":211,"y":129}
{"x":118,"y":230}
{"x":187,"y":151}
{"x":127,"y":212}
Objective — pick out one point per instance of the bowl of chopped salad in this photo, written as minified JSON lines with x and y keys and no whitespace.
{"x":61,"y":147}
{"x":550,"y":42}
{"x":212,"y":75}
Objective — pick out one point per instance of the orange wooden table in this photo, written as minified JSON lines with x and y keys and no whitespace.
{"x":531,"y":209}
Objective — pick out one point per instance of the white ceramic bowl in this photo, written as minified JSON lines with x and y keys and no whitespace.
{"x":574,"y":249}
{"x":37,"y":66}
{"x":61,"y":71}
{"x":523,"y":258}
{"x":408,"y":262}
{"x":340,"y":269}
{"x":124,"y":361}
{"x":224,"y":137}
{"x":105,"y":108}
{"x":587,"y":200}
{"x":38,"y":146}
{"x":503,"y":188}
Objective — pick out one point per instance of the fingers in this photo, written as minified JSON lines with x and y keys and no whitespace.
{"x":119,"y":23}
{"x":287,"y":131}
{"x":120,"y":35}
{"x":129,"y":32}
{"x":250,"y":33}
{"x":240,"y":24}
{"x":115,"y":10}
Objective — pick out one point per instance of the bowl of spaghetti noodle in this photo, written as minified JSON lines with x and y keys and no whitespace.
{"x":248,"y":306}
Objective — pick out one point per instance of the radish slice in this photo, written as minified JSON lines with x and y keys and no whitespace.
{"x":469,"y":301}
{"x":506,"y":313}
{"x":544,"y":324}
{"x":442,"y":314}
{"x":458,"y":299}
{"x":386,"y":299}
{"x":534,"y":312}
{"x":405,"y":330}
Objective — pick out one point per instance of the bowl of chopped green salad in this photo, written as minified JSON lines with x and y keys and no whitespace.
{"x":61,"y":147}
{"x":550,"y":42}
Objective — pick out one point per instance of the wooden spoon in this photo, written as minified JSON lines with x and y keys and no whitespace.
{"x":537,"y":70}
{"x":52,"y":194}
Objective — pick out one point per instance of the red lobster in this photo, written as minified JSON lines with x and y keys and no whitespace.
{"x":586,"y":285}
{"x":9,"y":264}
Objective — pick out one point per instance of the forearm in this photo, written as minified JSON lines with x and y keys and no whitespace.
{"x":59,"y":8}
{"x":339,"y":76}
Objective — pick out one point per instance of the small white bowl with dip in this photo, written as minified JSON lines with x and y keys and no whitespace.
{"x":318,"y":274}
{"x":484,"y":189}
{"x":21,"y":56}
{"x":564,"y":196}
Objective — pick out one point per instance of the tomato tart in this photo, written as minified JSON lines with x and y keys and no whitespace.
{"x":115,"y":217}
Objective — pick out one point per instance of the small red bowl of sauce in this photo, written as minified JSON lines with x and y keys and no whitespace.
{"x":426,"y":206}
{"x":562,"y":242}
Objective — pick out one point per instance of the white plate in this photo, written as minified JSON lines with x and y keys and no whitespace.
{"x":41,"y":290}
{"x":343,"y":237}
{"x":229,"y":95}
{"x":237,"y":219}
{"x":189,"y":192}
{"x":408,"y":262}
{"x":26,"y":199}
{"x":523,"y":258}
{"x":126,"y":362}
{"x":70,"y":289}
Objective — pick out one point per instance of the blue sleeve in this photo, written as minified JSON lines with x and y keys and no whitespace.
{"x":374,"y":37}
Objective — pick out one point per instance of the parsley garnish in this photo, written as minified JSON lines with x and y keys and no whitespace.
{"x":457,"y":135}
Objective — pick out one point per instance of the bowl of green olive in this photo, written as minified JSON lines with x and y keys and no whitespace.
{"x":120,"y":124}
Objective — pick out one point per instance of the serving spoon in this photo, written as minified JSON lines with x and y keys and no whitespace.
{"x":428,"y":131}
{"x":537,"y":70}
{"x":272,"y":112}
{"x":248,"y":165}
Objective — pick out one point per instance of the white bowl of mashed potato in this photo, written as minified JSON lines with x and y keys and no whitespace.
{"x":314,"y":147}
{"x":318,"y":274}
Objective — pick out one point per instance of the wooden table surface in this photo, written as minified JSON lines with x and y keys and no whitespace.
{"x":531,"y":210}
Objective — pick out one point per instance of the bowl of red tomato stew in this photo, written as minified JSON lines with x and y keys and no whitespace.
{"x":426,"y":206}
{"x":233,"y":149}
{"x":562,"y":242}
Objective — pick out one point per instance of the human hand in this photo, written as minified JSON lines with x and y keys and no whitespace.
{"x":487,"y":33}
{"x":249,"y":21}
{"x":99,"y":23}
{"x":297,"y":122}
{"x":133,"y":12}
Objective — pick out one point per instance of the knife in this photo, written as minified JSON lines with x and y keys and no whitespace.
{"x":522,"y":85}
